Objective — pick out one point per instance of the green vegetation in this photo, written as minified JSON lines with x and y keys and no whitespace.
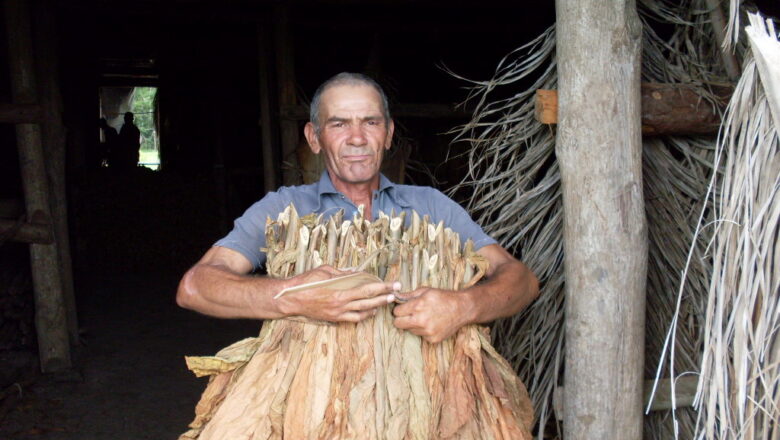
{"x":143,"y":109}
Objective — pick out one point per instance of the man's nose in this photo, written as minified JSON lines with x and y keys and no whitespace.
{"x":357,"y":135}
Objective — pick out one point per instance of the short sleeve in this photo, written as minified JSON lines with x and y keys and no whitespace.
{"x":248,"y":234}
{"x":457,"y":219}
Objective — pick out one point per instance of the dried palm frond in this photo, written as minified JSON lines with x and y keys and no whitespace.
{"x":515,"y":187}
{"x":738,"y":389}
{"x":303,"y":379}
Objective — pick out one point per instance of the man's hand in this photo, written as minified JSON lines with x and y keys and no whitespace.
{"x":352,"y":305}
{"x":433,"y":314}
{"x":437,"y":314}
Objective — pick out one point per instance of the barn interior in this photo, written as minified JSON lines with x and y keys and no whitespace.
{"x":225,"y":87}
{"x":91,"y":251}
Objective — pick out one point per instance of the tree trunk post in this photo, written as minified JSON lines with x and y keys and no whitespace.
{"x":285,"y":78}
{"x":54,"y":143}
{"x":599,"y":150}
{"x":266,"y":125}
{"x":50,"y":316}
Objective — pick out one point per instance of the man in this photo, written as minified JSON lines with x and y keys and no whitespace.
{"x":350,"y":124}
{"x":129,"y":143}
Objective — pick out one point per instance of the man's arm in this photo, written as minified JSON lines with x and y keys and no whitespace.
{"x":218,"y":285}
{"x":436,"y":314}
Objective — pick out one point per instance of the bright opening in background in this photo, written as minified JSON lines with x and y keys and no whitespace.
{"x":143,"y":108}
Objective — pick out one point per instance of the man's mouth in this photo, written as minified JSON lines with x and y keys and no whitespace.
{"x":356,"y":157}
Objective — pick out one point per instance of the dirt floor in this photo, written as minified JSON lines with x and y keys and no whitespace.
{"x":130,"y":380}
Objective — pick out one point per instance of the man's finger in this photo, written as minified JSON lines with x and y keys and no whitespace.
{"x":403,"y":297}
{"x":369,"y":303}
{"x":404,"y":309}
{"x":407,"y":323}
{"x":370,"y":290}
{"x":356,"y":316}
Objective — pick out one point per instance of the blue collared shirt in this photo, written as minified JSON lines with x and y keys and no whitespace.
{"x":248,"y":234}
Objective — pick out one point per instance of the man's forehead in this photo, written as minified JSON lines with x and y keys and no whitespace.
{"x":351,"y":96}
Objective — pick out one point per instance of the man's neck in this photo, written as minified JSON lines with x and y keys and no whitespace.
{"x":358,"y":193}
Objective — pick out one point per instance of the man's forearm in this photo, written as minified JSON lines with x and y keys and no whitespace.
{"x":216,"y":291}
{"x":508,"y":290}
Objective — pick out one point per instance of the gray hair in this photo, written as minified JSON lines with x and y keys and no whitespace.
{"x":345,"y":78}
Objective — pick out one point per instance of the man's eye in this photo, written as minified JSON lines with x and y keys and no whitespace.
{"x":372,"y":122}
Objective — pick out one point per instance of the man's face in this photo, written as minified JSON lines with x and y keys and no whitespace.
{"x":353,"y":133}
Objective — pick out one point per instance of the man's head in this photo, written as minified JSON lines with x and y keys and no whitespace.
{"x":129,"y":117}
{"x":342,"y":79}
{"x":351,"y":124}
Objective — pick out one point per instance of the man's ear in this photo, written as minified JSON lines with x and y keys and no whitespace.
{"x":311,"y":137}
{"x":389,"y":139}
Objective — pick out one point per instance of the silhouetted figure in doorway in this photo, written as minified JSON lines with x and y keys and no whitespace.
{"x":108,"y":148}
{"x":129,"y":144}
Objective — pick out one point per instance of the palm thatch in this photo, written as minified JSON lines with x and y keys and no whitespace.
{"x":514,"y":181}
{"x":737,"y":396}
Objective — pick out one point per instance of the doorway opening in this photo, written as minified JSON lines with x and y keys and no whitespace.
{"x":143,"y":109}
{"x":115,"y":103}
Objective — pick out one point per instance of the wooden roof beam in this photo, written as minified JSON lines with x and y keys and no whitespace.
{"x":667,"y":109}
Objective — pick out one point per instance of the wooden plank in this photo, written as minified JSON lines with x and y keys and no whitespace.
{"x":685,"y":393}
{"x":270,"y":182}
{"x":285,"y":77}
{"x":412,"y":110}
{"x":599,"y":151}
{"x":47,"y":57}
{"x":546,"y":106}
{"x":25,"y":232}
{"x":19,"y":113}
{"x":50,"y":317}
{"x":667,"y":109}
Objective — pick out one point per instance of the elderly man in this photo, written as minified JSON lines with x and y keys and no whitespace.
{"x":351,"y":125}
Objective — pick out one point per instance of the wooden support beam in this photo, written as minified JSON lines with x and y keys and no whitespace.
{"x":47,"y":57}
{"x":413,"y":110}
{"x":25,"y":232}
{"x":50,"y":316}
{"x":667,"y":109}
{"x":270,"y":182}
{"x":285,"y":78}
{"x":685,"y":392}
{"x":19,"y":113}
{"x":599,"y":151}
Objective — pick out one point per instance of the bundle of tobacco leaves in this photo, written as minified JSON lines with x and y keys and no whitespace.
{"x":303,"y":379}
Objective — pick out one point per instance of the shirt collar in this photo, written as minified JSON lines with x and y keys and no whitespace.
{"x":325,"y":186}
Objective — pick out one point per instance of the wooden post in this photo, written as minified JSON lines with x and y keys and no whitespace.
{"x":285,"y":78}
{"x":54,"y":143}
{"x":599,"y":149}
{"x":50,"y":319}
{"x":270,"y":182}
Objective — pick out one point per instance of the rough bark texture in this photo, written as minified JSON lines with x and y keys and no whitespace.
{"x":676,"y":109}
{"x":54,"y":145}
{"x":605,"y":234}
{"x":50,"y":320}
